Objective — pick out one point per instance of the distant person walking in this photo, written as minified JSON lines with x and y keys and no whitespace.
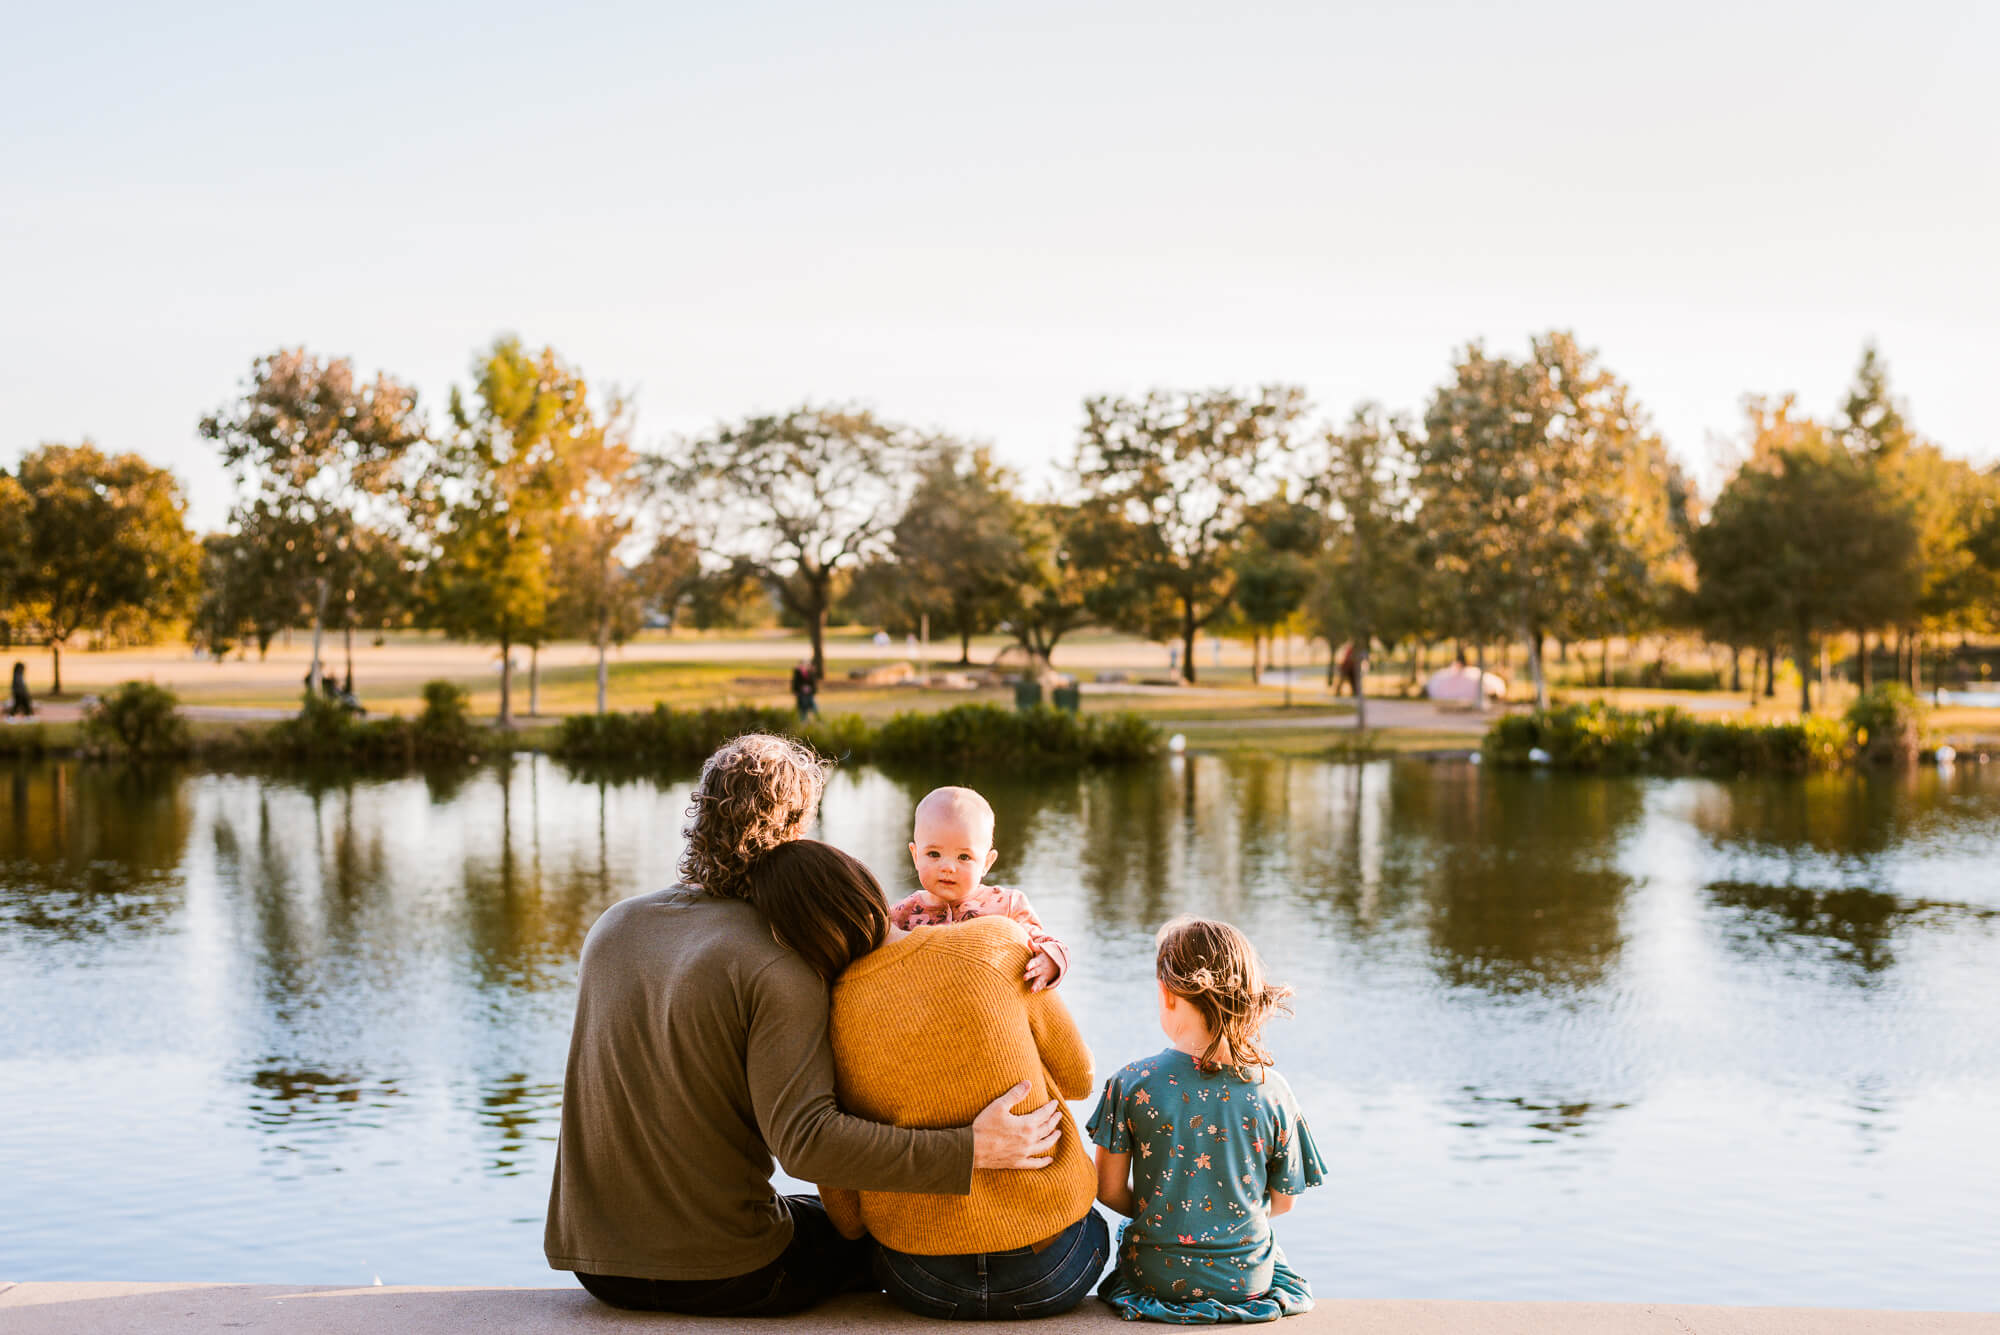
{"x":19,"y":703}
{"x":805,"y":690}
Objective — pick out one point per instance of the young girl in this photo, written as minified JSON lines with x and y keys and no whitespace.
{"x":1203,"y":1144}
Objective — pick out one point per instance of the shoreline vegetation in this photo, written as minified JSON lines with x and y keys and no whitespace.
{"x":1885,"y":726}
{"x":140,"y":720}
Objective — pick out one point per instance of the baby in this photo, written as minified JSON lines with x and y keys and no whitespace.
{"x":952,"y":846}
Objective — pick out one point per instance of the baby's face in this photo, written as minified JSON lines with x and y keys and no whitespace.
{"x":951,"y":854}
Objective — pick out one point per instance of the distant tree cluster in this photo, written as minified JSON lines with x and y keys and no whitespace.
{"x":1529,"y":501}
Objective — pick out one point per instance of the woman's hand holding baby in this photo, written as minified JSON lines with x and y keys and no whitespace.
{"x":1005,"y":1139}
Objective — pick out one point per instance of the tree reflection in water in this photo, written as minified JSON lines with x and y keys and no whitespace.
{"x":1520,"y":876}
{"x":1855,"y":928}
{"x":91,"y":850}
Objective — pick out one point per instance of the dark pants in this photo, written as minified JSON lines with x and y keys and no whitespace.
{"x":807,"y":705}
{"x":818,"y":1263}
{"x":1000,"y":1286}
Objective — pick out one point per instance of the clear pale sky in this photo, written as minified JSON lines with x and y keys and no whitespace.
{"x":970,"y":217}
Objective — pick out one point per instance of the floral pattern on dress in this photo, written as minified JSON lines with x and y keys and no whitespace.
{"x":924,"y":909}
{"x":1207,"y":1147}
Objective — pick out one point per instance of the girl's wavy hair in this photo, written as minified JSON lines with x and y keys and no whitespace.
{"x":757,"y":791}
{"x":1214,"y":968}
{"x":822,"y":904}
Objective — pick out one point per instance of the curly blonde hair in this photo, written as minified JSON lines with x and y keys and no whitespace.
{"x":1213,"y":967}
{"x":756,"y":792}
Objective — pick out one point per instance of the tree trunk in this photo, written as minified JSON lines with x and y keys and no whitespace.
{"x":506,"y":681}
{"x":1770,"y":672}
{"x":1256,"y":652}
{"x":1604,"y":664}
{"x":55,"y":664}
{"x":1535,"y":667}
{"x":535,"y":680}
{"x":1862,"y":674}
{"x":1188,"y":629}
{"x":1361,"y":680}
{"x":1332,"y":663}
{"x":1916,"y":665}
{"x":314,"y":673}
{"x":816,"y":628}
{"x":964,"y":645}
{"x":348,"y":632}
{"x":1803,"y":655}
{"x":1736,"y":668}
{"x":1479,"y":664}
{"x":603,"y":642}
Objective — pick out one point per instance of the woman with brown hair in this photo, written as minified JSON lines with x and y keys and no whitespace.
{"x":926,"y":1025}
{"x":699,"y":1051}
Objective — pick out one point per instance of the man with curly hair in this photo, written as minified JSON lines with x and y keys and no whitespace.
{"x":700,"y":1051}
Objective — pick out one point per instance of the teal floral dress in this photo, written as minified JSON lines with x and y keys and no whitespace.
{"x":1206,"y":1147}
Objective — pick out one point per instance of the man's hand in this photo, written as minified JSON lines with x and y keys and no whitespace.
{"x":1002,"y":1139}
{"x":1041,"y":972}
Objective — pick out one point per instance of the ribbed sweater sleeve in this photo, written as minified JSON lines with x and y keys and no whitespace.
{"x":1061,"y":1047}
{"x":791,"y":1090}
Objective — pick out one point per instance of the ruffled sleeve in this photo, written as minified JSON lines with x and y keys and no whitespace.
{"x":1294,"y":1161}
{"x":1110,"y":1126}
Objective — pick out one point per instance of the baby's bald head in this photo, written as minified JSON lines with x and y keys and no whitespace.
{"x":952,"y":843}
{"x":959,"y":809}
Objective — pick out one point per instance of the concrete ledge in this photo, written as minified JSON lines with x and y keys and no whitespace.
{"x":141,"y":1309}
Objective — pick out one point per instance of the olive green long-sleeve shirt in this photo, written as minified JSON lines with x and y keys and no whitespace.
{"x":699,"y":1050}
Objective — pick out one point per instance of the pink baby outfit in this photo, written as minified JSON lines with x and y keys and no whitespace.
{"x":924,"y":909}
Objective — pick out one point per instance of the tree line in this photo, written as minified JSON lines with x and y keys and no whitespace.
{"x":1529,"y":501}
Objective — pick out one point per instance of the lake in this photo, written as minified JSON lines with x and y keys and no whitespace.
{"x":1558,"y":1037}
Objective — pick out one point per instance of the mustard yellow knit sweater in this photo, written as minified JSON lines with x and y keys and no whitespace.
{"x":926,"y":1032}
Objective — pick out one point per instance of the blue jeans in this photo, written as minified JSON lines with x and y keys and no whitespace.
{"x":1000,"y":1286}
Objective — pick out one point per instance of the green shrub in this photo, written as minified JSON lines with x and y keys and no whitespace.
{"x":1888,"y":724}
{"x":1657,"y":675}
{"x":325,"y":730}
{"x":24,"y":739}
{"x":138,"y":719}
{"x":445,"y":727}
{"x":664,"y":734}
{"x":1595,"y":736}
{"x":986,"y":734}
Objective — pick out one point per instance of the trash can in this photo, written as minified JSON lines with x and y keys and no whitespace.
{"x":1027,"y":693}
{"x":1069,"y":699}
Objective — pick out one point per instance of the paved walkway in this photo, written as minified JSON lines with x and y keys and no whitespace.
{"x":144,"y":1309}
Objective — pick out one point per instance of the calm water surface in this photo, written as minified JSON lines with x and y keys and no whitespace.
{"x":1559,"y":1038}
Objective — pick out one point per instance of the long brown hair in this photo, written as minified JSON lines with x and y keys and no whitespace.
{"x":1213,"y":967}
{"x":821,"y":903}
{"x":755,"y":792}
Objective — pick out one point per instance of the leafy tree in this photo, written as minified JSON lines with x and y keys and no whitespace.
{"x":243,"y":597}
{"x":1169,"y":483}
{"x":794,"y":498}
{"x":503,"y":478}
{"x":1804,"y":540}
{"x":598,"y":597}
{"x":1373,"y":565}
{"x":1510,"y":474}
{"x":14,"y":513}
{"x":1274,"y":568}
{"x":318,"y":456}
{"x":106,"y":536}
{"x":957,"y":551}
{"x":1055,"y":586}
